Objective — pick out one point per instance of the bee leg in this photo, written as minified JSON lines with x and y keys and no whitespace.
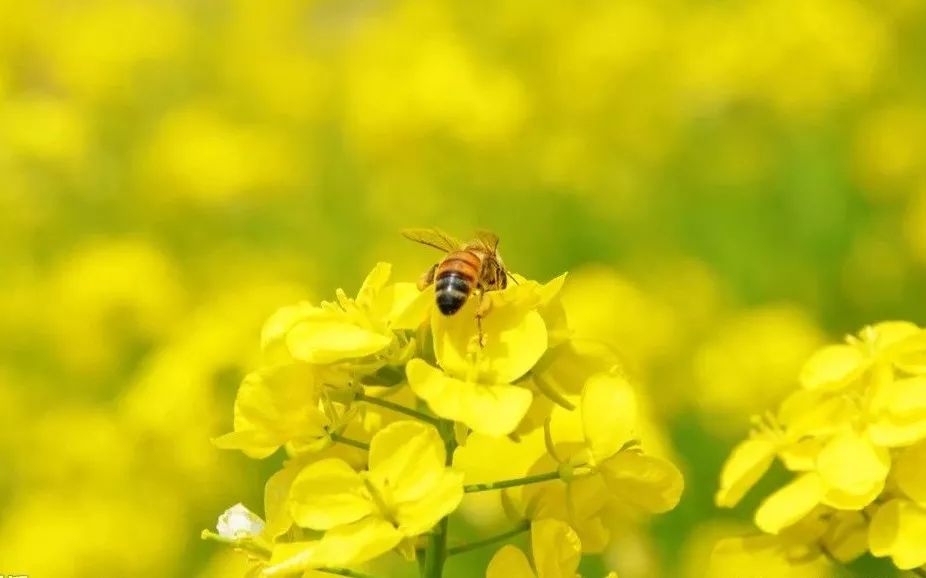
{"x":427,"y":278}
{"x":482,"y":309}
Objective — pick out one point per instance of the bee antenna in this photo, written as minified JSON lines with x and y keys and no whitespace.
{"x":512,"y":277}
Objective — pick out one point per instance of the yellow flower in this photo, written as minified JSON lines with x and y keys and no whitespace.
{"x":405,"y":491}
{"x":333,"y":376}
{"x":490,"y":409}
{"x":515,"y":334}
{"x":608,"y":413}
{"x":899,"y":419}
{"x":898,"y":530}
{"x":606,"y":473}
{"x":746,"y":465}
{"x":854,"y":436}
{"x":475,"y":386}
{"x":556,"y":550}
{"x":348,"y":329}
{"x":777,"y":558}
{"x":852,"y":469}
{"x":276,"y":406}
{"x":836,"y":366}
{"x":556,"y":553}
{"x":909,"y":472}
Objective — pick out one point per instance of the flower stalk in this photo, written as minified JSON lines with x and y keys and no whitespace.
{"x":398,"y":408}
{"x":463,"y":548}
{"x":435,"y":553}
{"x":336,"y":437}
{"x":502,"y":484}
{"x":344,"y":572}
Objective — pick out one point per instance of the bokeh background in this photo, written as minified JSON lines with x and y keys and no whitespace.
{"x":729,"y":183}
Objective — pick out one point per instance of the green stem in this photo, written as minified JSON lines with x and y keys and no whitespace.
{"x":436,"y":551}
{"x":472,"y":488}
{"x":385,"y":403}
{"x":344,"y":572}
{"x":522,"y":527}
{"x":336,"y":437}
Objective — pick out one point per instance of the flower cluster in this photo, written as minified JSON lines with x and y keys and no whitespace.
{"x":854,"y":435}
{"x":388,"y":412}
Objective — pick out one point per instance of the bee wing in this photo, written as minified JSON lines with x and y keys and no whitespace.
{"x":489,"y":239}
{"x":433,"y":238}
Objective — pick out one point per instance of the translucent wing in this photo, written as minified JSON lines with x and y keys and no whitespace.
{"x":489,"y":239}
{"x":433,"y":238}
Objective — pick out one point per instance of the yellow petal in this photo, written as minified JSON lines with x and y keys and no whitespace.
{"x":556,"y":549}
{"x":746,"y":465}
{"x":910,"y":355}
{"x":648,"y":482}
{"x":853,"y":470}
{"x":374,"y":282}
{"x":801,"y":456}
{"x":889,"y":334}
{"x":551,"y":289}
{"x":494,"y":410}
{"x":509,"y":562}
{"x":273,"y":333}
{"x":790,"y":503}
{"x":907,"y":397}
{"x":846,"y":538}
{"x":514,"y":339}
{"x":568,"y":366}
{"x":276,"y":500}
{"x":356,"y":543}
{"x":832,"y":367}
{"x":407,"y":457}
{"x":901,"y":420}
{"x":403,"y":306}
{"x":566,"y":426}
{"x":584,"y":506}
{"x":843,"y":500}
{"x":893,"y":431}
{"x":609,"y":414}
{"x":807,"y":414}
{"x":329,"y":338}
{"x":290,"y":558}
{"x":898,"y":530}
{"x":274,"y":406}
{"x":326,"y":494}
{"x":760,"y":556}
{"x":444,"y":494}
{"x":910,"y":472}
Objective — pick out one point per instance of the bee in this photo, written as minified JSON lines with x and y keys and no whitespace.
{"x":467,"y":268}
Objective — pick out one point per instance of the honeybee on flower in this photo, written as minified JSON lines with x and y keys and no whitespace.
{"x":374,"y":400}
{"x":471,"y":267}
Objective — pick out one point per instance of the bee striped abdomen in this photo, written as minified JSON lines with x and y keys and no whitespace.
{"x":456,"y":276}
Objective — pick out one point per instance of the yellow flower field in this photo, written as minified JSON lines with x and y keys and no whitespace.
{"x":702,"y":354}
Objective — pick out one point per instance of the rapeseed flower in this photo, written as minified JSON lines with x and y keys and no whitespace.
{"x":371,"y":397}
{"x":600,"y":459}
{"x":853,"y":436}
{"x":556,"y":554}
{"x":349,"y":328}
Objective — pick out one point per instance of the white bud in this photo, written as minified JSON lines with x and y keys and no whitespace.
{"x":239,"y":522}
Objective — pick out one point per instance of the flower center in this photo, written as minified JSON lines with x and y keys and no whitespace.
{"x":381,"y":498}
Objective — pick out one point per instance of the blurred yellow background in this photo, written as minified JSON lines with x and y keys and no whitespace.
{"x":728,"y":183}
